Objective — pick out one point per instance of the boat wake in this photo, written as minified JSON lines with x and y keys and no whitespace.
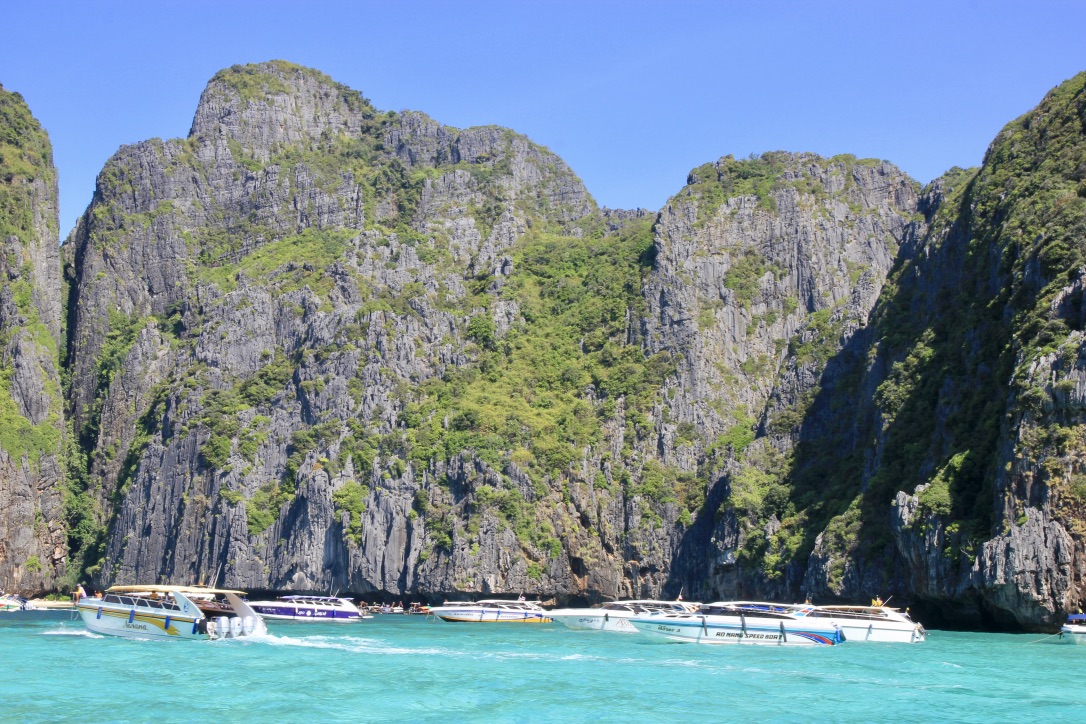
{"x":352,"y":644}
{"x":72,"y":632}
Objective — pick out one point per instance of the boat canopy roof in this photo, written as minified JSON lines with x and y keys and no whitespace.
{"x":1077,"y":617}
{"x":760,"y":605}
{"x":183,"y":590}
{"x":511,"y":605}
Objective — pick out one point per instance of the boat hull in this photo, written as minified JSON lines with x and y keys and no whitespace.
{"x":147,"y":617}
{"x":14,"y":603}
{"x":491,"y":616}
{"x":881,"y":632}
{"x":722,"y":630}
{"x":129,"y":623}
{"x":1072,"y":635}
{"x":290,"y":613}
{"x":594,"y":620}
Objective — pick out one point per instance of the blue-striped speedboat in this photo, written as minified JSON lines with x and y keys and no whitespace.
{"x":743,"y":622}
{"x":308,"y":608}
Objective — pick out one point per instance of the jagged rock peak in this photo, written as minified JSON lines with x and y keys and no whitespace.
{"x":865,"y":181}
{"x":619,"y":218}
{"x":257,"y":112}
{"x":277,"y":102}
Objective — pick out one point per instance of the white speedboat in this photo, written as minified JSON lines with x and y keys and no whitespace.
{"x":10,"y":602}
{"x":872,"y":623}
{"x":743,"y":622}
{"x":492,"y":611}
{"x":1074,"y":631}
{"x":308,"y":608}
{"x":170,"y":612}
{"x":616,"y":615}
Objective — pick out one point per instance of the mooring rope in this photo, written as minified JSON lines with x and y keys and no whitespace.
{"x":1046,"y":638}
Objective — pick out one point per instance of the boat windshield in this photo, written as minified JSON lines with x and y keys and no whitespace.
{"x":664,"y":607}
{"x":316,"y":600}
{"x":619,"y":606}
{"x":513,"y":605}
{"x":742,"y":608}
{"x":141,"y":601}
{"x":864,"y":613}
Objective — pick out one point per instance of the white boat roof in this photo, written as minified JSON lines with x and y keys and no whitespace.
{"x":506,"y":602}
{"x":649,"y":601}
{"x":183,"y":590}
{"x":495,"y":603}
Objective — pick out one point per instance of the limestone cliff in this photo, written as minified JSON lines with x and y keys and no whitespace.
{"x":955,"y":448}
{"x":318,"y":346}
{"x":33,"y":545}
{"x":261,"y":313}
{"x":766,"y":271}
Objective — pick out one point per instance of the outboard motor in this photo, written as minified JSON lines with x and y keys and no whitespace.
{"x":248,"y":625}
{"x":235,"y":627}
{"x":222,"y":627}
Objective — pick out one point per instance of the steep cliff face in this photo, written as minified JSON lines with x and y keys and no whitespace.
{"x":963,"y":459}
{"x":315,"y":345}
{"x":33,"y":546}
{"x":319,"y":346}
{"x":765,"y":271}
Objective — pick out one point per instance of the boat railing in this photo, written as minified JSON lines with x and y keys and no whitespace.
{"x":141,"y":601}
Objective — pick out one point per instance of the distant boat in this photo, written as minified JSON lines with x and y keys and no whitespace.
{"x":616,"y":615}
{"x":170,"y":612}
{"x":872,"y":623}
{"x":308,"y":608}
{"x":1074,"y":631}
{"x":10,"y":602}
{"x":743,"y":622}
{"x":492,"y":611}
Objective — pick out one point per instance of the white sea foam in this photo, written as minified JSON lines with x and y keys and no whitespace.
{"x":72,"y":632}
{"x":352,"y":644}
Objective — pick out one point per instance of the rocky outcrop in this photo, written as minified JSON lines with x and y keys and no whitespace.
{"x":316,"y":346}
{"x":971,"y":436}
{"x":765,"y":270}
{"x":251,"y":308}
{"x":33,"y":540}
{"x":294,"y":400}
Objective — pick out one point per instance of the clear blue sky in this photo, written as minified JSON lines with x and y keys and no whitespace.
{"x":631,"y":94}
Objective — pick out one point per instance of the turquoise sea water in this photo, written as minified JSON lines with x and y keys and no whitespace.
{"x":405,"y":668}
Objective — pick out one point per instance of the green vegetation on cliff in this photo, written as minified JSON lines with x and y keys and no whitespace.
{"x":976,"y":305}
{"x":27,"y":188}
{"x":525,"y":398}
